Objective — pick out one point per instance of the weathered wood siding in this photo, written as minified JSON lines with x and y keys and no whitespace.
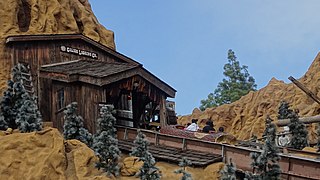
{"x":38,"y":53}
{"x":88,"y":98}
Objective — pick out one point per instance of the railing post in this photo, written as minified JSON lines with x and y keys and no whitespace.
{"x":156,"y":139}
{"x":184,"y":144}
{"x":125,"y":136}
{"x":223,"y":153}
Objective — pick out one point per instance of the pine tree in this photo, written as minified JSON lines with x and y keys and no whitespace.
{"x":29,"y":118}
{"x":19,"y":91}
{"x":266,"y":164}
{"x":6,"y":106}
{"x":19,"y":108}
{"x":73,"y":125}
{"x":148,"y":171}
{"x":13,"y":97}
{"x":183,"y":164}
{"x":229,"y":171}
{"x":299,"y":138}
{"x":3,"y":123}
{"x":284,"y":111}
{"x":105,"y":143}
{"x":237,"y":83}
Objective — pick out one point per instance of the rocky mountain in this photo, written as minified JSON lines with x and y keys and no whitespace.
{"x":246,"y":117}
{"x":30,"y":17}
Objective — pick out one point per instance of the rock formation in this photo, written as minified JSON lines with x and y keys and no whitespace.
{"x":34,"y":17}
{"x":246,"y":117}
{"x":45,"y":155}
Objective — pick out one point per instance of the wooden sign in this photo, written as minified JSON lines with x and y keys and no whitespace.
{"x":79,"y":52}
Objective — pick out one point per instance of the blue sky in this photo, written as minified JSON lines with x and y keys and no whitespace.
{"x":185,"y":42}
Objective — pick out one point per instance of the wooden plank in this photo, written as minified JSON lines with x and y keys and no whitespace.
{"x":175,"y":154}
{"x":305,"y":89}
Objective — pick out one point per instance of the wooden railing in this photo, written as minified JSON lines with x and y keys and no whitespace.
{"x":292,"y":166}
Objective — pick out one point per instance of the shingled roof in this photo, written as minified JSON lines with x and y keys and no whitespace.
{"x":88,"y":67}
{"x":100,"y":73}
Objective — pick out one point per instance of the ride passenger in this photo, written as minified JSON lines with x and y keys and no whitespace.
{"x":208,"y":127}
{"x":193,"y":126}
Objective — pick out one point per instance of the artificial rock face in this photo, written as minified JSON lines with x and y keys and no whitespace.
{"x":36,"y":17}
{"x":20,"y":17}
{"x":246,"y":117}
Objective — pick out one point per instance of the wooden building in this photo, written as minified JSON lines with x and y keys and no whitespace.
{"x":68,"y":68}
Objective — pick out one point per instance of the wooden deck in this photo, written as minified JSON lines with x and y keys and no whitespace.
{"x":171,"y":154}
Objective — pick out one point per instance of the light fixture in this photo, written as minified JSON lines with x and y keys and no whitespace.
{"x":135,"y":84}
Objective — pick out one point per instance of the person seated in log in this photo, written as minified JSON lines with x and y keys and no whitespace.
{"x":221,"y":129}
{"x":193,"y":126}
{"x":209,"y":127}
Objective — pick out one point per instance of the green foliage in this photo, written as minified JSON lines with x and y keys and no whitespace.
{"x":229,"y":171}
{"x":3,"y":123}
{"x":29,"y":118}
{"x":105,"y":143}
{"x":18,"y":108}
{"x":183,"y":164}
{"x":237,"y":83}
{"x":266,"y":164}
{"x":284,"y":111}
{"x":73,"y":125}
{"x":299,"y":132}
{"x":7,"y":104}
{"x":148,"y":171}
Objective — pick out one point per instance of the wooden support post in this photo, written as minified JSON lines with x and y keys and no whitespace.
{"x":156,"y":139}
{"x":223,"y":154}
{"x":125,"y":135}
{"x":304,"y":89}
{"x":184,"y":144}
{"x":163,"y":112}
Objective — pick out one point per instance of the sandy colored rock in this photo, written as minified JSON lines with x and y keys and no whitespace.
{"x":208,"y":173}
{"x":213,"y":171}
{"x":25,"y":17}
{"x":35,"y":17}
{"x":131,"y":165}
{"x":45,"y":155}
{"x":246,"y":117}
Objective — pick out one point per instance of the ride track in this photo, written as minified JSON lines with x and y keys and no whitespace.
{"x":295,"y":164}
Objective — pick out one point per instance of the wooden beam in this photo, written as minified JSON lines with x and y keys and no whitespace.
{"x":305,"y":120}
{"x":304,"y":89}
{"x":163,"y":112}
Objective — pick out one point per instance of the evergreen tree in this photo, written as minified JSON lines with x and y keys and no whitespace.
{"x":284,"y":111}
{"x":3,"y":123}
{"x":73,"y":125}
{"x":148,"y":171}
{"x":105,"y":143}
{"x":237,"y":83}
{"x":183,"y":164}
{"x":298,"y":130}
{"x":18,"y":108}
{"x":6,"y":106}
{"x":229,"y":171}
{"x":13,"y":97}
{"x":19,"y":91}
{"x":266,"y":164}
{"x":29,"y":118}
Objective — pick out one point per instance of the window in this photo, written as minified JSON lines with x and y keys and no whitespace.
{"x":124,"y":102}
{"x":60,"y":98}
